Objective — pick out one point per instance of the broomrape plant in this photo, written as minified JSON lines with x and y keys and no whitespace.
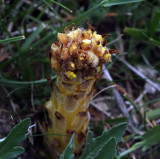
{"x":77,"y":59}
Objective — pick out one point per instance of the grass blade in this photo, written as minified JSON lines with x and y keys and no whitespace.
{"x":9,"y":40}
{"x":32,"y":37}
{"x":154,"y":22}
{"x":23,"y":83}
{"x":48,"y":4}
{"x":110,"y":3}
{"x":61,"y":5}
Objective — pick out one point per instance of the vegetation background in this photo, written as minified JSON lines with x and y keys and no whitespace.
{"x":28,"y":28}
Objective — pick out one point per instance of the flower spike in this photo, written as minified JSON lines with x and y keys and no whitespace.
{"x":77,"y":59}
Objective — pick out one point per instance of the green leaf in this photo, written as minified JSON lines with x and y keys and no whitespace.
{"x":151,"y":138}
{"x":93,"y":145}
{"x":140,"y":34}
{"x":17,"y":150}
{"x":135,"y":33}
{"x":8,"y":147}
{"x":12,"y":39}
{"x":110,"y":3}
{"x":154,"y":22}
{"x":116,"y":120}
{"x":108,"y":150}
{"x":68,"y":152}
{"x":153,"y":114}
